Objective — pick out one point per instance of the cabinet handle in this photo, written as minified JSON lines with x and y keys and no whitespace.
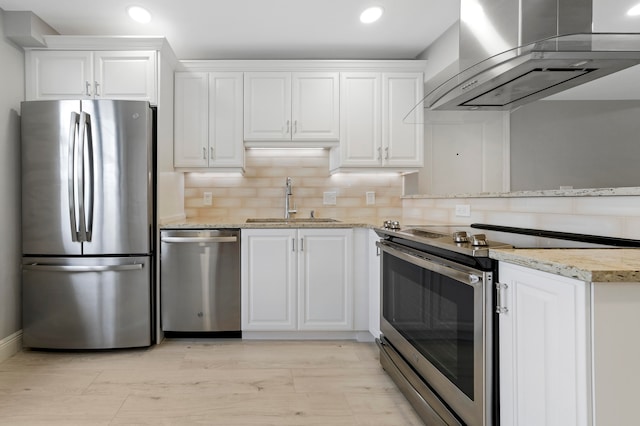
{"x":288,"y":124}
{"x":96,"y":85}
{"x":293,"y":244}
{"x":379,"y":153}
{"x":301,"y":244}
{"x":386,"y":153}
{"x":87,"y":88}
{"x":295,"y":126}
{"x":212,"y":154}
{"x":204,"y":153}
{"x":500,"y":307}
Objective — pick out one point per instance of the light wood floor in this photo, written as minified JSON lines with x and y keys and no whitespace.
{"x":207,"y":382}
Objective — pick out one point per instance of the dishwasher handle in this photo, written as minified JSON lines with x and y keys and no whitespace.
{"x":199,"y":239}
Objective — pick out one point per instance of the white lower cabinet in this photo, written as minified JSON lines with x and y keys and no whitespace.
{"x":543,"y":349}
{"x":568,"y":349}
{"x":297,"y":279}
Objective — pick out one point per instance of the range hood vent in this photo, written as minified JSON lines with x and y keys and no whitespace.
{"x":507,"y":78}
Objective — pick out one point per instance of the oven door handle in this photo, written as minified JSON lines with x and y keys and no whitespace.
{"x":410,"y":256}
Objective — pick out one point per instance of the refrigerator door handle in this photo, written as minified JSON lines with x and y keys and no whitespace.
{"x":90,"y":179}
{"x":75,"y":268}
{"x":73,"y":132}
{"x":85,"y":178}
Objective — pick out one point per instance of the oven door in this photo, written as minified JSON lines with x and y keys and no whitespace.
{"x":437,"y":314}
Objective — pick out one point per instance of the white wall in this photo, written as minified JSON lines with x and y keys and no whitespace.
{"x":11,"y":94}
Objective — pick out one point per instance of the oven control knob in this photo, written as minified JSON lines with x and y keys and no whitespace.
{"x":460,"y":237}
{"x":391,"y":224}
{"x":479,"y":240}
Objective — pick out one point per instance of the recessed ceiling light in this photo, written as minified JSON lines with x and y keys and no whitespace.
{"x":371,"y":14}
{"x":634,"y":11}
{"x":139,"y":14}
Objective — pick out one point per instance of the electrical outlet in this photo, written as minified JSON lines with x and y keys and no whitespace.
{"x":207,"y":199}
{"x":371,"y":198}
{"x":329,"y":198}
{"x":463,"y":210}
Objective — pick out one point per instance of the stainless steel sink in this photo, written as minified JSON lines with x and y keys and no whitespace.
{"x":296,"y":220}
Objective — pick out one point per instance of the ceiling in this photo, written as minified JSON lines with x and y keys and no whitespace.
{"x":259,"y":29}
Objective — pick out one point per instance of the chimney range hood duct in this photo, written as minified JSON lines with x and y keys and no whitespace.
{"x":513,"y":52}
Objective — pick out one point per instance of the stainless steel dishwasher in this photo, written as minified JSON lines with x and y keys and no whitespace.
{"x":200,"y":280}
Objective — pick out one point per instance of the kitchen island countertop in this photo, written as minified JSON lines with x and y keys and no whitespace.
{"x":591,"y":265}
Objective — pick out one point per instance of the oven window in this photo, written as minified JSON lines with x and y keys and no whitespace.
{"x":435,"y":314}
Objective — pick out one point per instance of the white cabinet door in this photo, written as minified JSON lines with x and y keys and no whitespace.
{"x":125,"y":75}
{"x":373,"y":129}
{"x":402,"y":133}
{"x":315,"y":106}
{"x":226,"y":146}
{"x":543,"y":349}
{"x":191,"y":131}
{"x":268,"y":279}
{"x":208,"y":120}
{"x":53,"y":75}
{"x":281,"y":106}
{"x":325,"y":300}
{"x":129,"y":75}
{"x":296,"y":279}
{"x":267,"y":106}
{"x":360,"y":113}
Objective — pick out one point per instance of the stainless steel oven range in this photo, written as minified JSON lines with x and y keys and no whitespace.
{"x":437,"y":316}
{"x":438,"y":313}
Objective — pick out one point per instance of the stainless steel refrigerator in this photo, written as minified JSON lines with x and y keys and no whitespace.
{"x":87,"y":223}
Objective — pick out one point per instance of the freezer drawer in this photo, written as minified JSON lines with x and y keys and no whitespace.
{"x":200,"y":280}
{"x":86,"y":303}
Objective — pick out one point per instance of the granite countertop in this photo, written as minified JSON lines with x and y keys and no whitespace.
{"x":242,"y":224}
{"x":592,"y":265}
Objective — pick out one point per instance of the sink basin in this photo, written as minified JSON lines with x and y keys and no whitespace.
{"x":295,"y":220}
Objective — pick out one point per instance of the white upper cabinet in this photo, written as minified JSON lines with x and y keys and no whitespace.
{"x":283,"y":106}
{"x":208,"y":120}
{"x":402,"y":128}
{"x":360,"y":113}
{"x":375,"y":129}
{"x":68,"y":74}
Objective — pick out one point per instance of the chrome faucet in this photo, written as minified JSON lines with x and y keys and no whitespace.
{"x":288,"y":211}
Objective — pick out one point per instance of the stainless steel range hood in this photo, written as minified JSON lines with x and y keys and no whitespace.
{"x":513,"y":52}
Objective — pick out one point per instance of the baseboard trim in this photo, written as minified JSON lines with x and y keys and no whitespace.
{"x":10,"y":345}
{"x":359,"y":336}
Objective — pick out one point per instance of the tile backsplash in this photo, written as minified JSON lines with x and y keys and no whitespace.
{"x":615,"y":216}
{"x":260,"y":191}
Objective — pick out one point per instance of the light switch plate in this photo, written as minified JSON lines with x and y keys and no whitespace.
{"x":207,"y":199}
{"x":371,"y":198}
{"x":329,"y":199}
